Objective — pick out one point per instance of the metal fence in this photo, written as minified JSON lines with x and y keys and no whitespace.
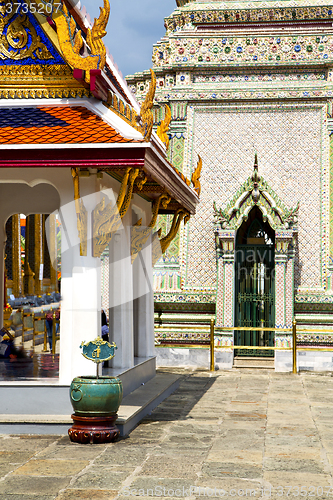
{"x":210,"y":330}
{"x":34,"y":328}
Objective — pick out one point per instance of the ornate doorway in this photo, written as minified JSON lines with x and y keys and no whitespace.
{"x":255,"y":235}
{"x":254,"y":285}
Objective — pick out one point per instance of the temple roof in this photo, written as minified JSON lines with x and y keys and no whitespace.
{"x":55,"y":125}
{"x":245,"y":4}
{"x":64,"y":103}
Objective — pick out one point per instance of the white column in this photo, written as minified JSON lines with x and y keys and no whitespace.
{"x":144,"y":302}
{"x":80,"y":318}
{"x":3,"y":238}
{"x":121,"y":296}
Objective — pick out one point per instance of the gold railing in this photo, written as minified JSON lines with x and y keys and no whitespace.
{"x":265,"y":329}
{"x":33,"y":329}
{"x":211,"y":329}
{"x":55,"y":335}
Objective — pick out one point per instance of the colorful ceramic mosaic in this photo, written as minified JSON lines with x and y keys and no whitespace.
{"x":237,"y":88}
{"x":233,"y":50}
{"x":285,"y":163}
{"x":209,"y":13}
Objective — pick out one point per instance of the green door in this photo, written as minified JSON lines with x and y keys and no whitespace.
{"x":254,"y":286}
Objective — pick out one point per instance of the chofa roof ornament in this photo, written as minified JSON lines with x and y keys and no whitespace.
{"x":71,"y":40}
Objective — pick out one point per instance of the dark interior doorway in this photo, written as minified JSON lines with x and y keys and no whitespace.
{"x":254,"y":285}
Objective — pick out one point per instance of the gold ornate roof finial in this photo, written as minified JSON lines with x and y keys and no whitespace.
{"x":97,"y":32}
{"x":146,"y":114}
{"x":71,"y":41}
{"x":163,"y":128}
{"x":196,"y":176}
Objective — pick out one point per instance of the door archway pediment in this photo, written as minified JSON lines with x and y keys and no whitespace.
{"x":255,"y":191}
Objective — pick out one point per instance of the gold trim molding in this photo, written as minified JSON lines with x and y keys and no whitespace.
{"x":81,"y":213}
{"x":53,"y":81}
{"x":38,"y":71}
{"x":47,"y":93}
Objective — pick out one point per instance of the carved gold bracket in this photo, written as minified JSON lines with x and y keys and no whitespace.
{"x":71,"y":41}
{"x":141,"y":181}
{"x":81,"y":213}
{"x":179,"y":215}
{"x":196,"y":176}
{"x":160,"y":246}
{"x":146,"y":114}
{"x":107,"y":218}
{"x":139,"y":236}
{"x":162,"y":129}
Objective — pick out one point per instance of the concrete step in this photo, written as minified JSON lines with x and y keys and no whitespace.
{"x":134,"y":407}
{"x":253,"y":362}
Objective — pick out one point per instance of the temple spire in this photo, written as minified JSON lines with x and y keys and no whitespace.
{"x":255,"y":179}
{"x":255,"y":161}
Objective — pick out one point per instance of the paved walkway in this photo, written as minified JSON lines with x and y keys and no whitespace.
{"x":237,"y":434}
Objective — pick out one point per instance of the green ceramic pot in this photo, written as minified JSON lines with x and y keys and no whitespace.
{"x":95,"y":397}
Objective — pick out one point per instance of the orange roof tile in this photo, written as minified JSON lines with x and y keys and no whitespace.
{"x":55,"y":125}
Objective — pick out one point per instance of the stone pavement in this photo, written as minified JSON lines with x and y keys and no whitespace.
{"x":232,"y":434}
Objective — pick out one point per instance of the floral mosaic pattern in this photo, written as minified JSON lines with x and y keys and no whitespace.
{"x":205,"y":13}
{"x":269,"y":76}
{"x":202,"y":66}
{"x":226,"y":138}
{"x":176,"y":150}
{"x":232,"y":50}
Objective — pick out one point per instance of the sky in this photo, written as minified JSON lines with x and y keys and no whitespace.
{"x":134,"y":26}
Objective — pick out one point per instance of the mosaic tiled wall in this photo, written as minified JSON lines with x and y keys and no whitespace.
{"x":167,"y":270}
{"x":330,"y":263}
{"x":176,"y":150}
{"x":290,"y":143}
{"x":331,"y":194}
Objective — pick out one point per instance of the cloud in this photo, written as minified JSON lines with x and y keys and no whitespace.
{"x":133,"y":28}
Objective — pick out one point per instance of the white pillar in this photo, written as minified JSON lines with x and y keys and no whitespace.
{"x":144,"y":302}
{"x":80,"y":318}
{"x":3,"y":238}
{"x":121,"y":296}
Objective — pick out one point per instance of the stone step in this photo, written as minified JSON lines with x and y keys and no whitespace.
{"x":253,"y":362}
{"x":134,"y":407}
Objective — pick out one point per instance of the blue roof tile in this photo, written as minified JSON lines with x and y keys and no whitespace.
{"x":29,"y":117}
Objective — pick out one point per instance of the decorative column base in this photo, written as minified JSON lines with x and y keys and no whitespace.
{"x":93,"y":429}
